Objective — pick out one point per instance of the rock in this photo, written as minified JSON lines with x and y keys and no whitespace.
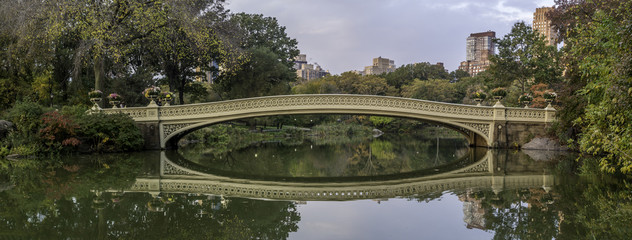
{"x":544,"y":144}
{"x":6,"y":186}
{"x":14,"y":157}
{"x":5,"y":127}
{"x":377,"y":133}
{"x":543,"y":155}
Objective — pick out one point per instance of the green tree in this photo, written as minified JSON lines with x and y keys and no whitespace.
{"x":353,"y":83}
{"x":189,"y":44}
{"x":105,"y":28}
{"x":266,"y":64}
{"x":435,"y":90}
{"x":323,"y":85}
{"x":380,"y":121}
{"x":524,"y":59}
{"x":458,"y":74}
{"x":262,"y":75}
{"x":602,"y":49}
{"x":405,"y":74}
{"x":256,"y":30}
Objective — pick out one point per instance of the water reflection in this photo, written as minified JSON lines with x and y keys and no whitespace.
{"x":375,"y":157}
{"x":487,"y":171}
{"x":135,"y":196}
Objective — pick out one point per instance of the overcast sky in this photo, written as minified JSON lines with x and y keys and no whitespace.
{"x":344,"y":35}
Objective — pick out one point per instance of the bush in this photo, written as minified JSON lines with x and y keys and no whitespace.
{"x":479,"y":94}
{"x":26,"y":116}
{"x":27,"y":119}
{"x":380,"y":122}
{"x":4,"y":151}
{"x":58,"y":132}
{"x":499,"y":92}
{"x":74,"y":112}
{"x":110,"y":132}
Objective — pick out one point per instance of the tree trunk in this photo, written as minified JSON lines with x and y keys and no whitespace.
{"x":182,"y":84}
{"x":99,"y":73}
{"x":172,"y":72}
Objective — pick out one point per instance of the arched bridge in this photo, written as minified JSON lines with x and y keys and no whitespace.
{"x":496,"y":126}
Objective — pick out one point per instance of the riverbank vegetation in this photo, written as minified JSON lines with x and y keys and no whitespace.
{"x":42,"y":131}
{"x":221,"y":138}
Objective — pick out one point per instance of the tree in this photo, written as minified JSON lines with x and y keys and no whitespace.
{"x":602,"y":50}
{"x":568,"y":14}
{"x":458,"y":74}
{"x":105,"y":28}
{"x":189,"y":44}
{"x":405,"y":74}
{"x":266,"y":66}
{"x":524,"y":59}
{"x":262,"y":75}
{"x":353,"y":83}
{"x":325,"y":85}
{"x":435,"y":90}
{"x":566,"y":18}
{"x":256,"y":30}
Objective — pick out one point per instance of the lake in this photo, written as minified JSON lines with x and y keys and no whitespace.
{"x":388,"y":187}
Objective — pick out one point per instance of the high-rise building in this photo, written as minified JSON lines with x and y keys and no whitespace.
{"x":479,"y":47}
{"x":209,"y":76}
{"x":299,"y":61}
{"x":380,"y":65}
{"x":307,"y":71}
{"x":542,"y":24}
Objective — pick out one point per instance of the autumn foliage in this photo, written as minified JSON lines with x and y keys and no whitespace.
{"x":58,"y":132}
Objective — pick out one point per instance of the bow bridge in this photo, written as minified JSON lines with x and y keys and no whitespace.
{"x":496,"y":127}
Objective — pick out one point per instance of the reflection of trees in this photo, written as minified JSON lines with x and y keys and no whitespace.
{"x":595,"y":206}
{"x":520,"y":214}
{"x":69,"y":202}
{"x":380,"y":156}
{"x":46,"y":200}
{"x":203,"y":217}
{"x":599,"y":206}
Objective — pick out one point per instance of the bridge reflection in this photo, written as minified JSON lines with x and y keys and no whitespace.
{"x":492,"y":170}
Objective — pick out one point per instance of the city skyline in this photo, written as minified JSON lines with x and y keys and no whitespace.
{"x":344,"y":36}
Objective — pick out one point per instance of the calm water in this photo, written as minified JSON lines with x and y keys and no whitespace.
{"x":386,"y":188}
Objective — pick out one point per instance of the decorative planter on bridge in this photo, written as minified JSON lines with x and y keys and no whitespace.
{"x":497,"y":127}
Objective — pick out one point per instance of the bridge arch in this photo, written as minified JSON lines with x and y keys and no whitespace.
{"x":474,"y":136}
{"x":484,"y":125}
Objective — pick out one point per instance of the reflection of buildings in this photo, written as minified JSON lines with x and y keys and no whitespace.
{"x":542,"y":24}
{"x":473,"y":211}
{"x":308,"y":71}
{"x":380,"y":65}
{"x":480,"y":46}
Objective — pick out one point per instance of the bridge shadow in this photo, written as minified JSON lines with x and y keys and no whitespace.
{"x":494,"y":170}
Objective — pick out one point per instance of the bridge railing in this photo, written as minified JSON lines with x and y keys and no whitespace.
{"x":340,"y":102}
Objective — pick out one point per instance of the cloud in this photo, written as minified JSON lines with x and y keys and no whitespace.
{"x":503,"y":12}
{"x":343,"y":35}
